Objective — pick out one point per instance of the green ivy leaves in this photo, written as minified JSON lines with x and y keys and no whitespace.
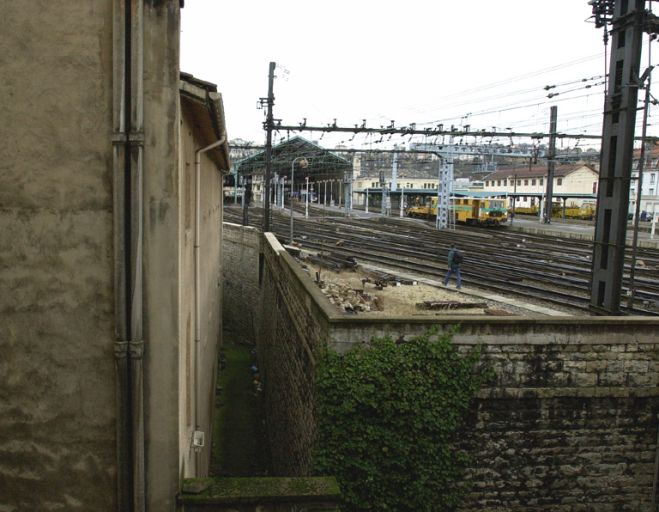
{"x":388,"y":413}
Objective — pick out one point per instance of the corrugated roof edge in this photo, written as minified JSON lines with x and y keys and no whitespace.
{"x":206,"y":93}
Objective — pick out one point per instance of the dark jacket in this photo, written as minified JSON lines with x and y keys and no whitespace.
{"x":451,"y":259}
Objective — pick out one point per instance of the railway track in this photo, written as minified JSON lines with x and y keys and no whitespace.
{"x":541,"y":268}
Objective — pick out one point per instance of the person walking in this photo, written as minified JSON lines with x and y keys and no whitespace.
{"x":454,"y":261}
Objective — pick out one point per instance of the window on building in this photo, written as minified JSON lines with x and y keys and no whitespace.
{"x":559,"y":182}
{"x":498,"y":183}
{"x":651,"y":191}
{"x":519,"y":182}
{"x":524,"y":199}
{"x":487,"y":183}
{"x":542,"y":181}
{"x":526,"y":182}
{"x":652,"y":178}
{"x":533,"y":182}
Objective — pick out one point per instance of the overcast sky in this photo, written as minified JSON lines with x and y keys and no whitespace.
{"x":480,"y":62}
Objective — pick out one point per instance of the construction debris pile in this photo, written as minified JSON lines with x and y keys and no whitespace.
{"x":349,"y":299}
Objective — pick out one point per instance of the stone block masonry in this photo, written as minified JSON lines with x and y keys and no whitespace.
{"x":568,"y":424}
{"x":241,"y":292}
{"x":293,"y":331}
{"x":554,"y":432}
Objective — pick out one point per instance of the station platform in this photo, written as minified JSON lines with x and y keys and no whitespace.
{"x":577,"y":231}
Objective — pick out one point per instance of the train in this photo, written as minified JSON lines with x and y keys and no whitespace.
{"x":467,"y":210}
{"x":584,"y":212}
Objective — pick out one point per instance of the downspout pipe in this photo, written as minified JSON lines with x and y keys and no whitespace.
{"x":197,"y":282}
{"x":128,"y":156}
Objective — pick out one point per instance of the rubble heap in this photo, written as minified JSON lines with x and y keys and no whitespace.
{"x":351,"y":300}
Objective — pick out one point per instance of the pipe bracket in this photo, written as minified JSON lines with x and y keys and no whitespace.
{"x":119,"y":138}
{"x":136,"y":348}
{"x":120,"y":349}
{"x":136,"y":138}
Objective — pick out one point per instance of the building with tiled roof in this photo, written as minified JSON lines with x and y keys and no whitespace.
{"x":572,"y":182}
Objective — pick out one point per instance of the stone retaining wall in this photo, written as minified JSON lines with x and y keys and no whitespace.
{"x":569,"y":424}
{"x":294,"y":329}
{"x":241,"y":293}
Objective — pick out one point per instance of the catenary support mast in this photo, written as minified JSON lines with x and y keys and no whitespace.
{"x":628,"y":19}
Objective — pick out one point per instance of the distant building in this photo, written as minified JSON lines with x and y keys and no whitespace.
{"x":649,"y":185}
{"x":573,"y":183}
{"x":325,"y":170}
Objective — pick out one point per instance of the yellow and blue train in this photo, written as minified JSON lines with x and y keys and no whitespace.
{"x":467,"y":210}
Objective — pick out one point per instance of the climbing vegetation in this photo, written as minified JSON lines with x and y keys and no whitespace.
{"x":389,"y":413}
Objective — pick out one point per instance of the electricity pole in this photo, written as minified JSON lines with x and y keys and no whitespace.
{"x":629,"y":20}
{"x":270,"y":100}
{"x":551,"y":162}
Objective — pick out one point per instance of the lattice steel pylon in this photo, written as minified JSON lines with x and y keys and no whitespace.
{"x":629,"y":21}
{"x":444,"y":218}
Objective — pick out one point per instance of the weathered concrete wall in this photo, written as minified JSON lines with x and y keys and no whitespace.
{"x":57,"y":398}
{"x":570,"y":423}
{"x":57,"y":327}
{"x":242,"y":294}
{"x":162,"y":281}
{"x":197,"y":413}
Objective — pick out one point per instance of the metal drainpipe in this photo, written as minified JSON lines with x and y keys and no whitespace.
{"x":128,"y":228}
{"x":197,"y":284}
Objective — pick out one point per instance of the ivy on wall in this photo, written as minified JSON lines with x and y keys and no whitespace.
{"x":388,"y":414}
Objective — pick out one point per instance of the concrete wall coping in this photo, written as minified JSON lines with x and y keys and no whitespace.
{"x":235,"y":490}
{"x":312,"y":290}
{"x":566,"y":321}
{"x":233,"y":225}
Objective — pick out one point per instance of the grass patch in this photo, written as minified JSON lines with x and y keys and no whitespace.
{"x":239,"y":437}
